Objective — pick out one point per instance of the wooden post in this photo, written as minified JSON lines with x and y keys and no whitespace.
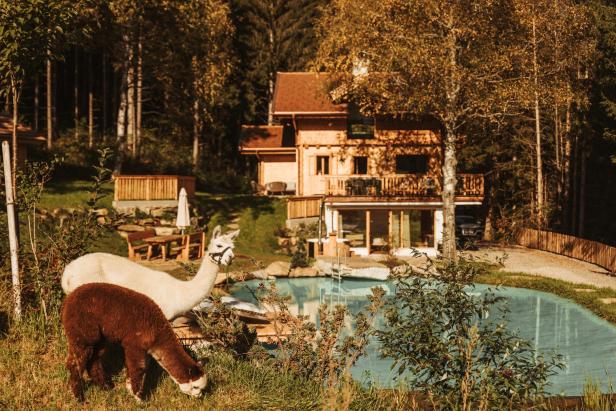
{"x":368,"y":230}
{"x":10,"y":211}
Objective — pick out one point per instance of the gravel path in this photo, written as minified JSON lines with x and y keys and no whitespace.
{"x":542,"y":263}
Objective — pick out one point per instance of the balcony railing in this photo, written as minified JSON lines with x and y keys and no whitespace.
{"x":469,"y":185}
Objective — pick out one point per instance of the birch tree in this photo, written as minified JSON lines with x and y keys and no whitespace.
{"x":207,"y":31}
{"x":429,"y":57}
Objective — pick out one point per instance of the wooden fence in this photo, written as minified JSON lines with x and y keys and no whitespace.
{"x":590,"y":251}
{"x":145,"y":188}
{"x":303,"y":207}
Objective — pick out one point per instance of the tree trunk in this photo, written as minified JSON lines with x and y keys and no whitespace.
{"x":582,"y":194}
{"x":122,"y":109}
{"x":15,"y":95}
{"x":90,"y":103}
{"x":449,"y":191}
{"x":104,"y":93}
{"x":36,"y":102}
{"x":48,"y":97}
{"x":540,"y":199}
{"x":139,"y":93}
{"x":566,"y":167}
{"x":196,"y":132}
{"x":558,"y":155}
{"x":574,"y":184}
{"x":130,"y":135}
{"x":270,"y":86}
{"x":76,"y":94}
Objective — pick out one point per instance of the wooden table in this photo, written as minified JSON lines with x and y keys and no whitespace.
{"x":163,"y":241}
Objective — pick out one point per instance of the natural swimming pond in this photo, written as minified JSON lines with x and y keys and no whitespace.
{"x":586,"y":342}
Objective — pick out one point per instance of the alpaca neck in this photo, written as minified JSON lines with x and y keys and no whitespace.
{"x":195,"y":290}
{"x":172,"y":357}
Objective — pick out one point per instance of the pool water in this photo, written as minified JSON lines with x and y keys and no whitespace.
{"x":586,"y":342}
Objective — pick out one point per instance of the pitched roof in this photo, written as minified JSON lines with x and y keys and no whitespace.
{"x":304,"y":93}
{"x":259,"y":137}
{"x":25,"y":134}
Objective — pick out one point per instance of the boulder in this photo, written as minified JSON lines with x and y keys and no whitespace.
{"x":131,"y":228}
{"x":101,"y":212}
{"x":260,"y":275}
{"x":277,"y":269}
{"x":304,"y":272}
{"x":157,"y":212}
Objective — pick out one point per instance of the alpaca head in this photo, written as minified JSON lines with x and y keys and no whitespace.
{"x":221,"y":246}
{"x":196,"y":386}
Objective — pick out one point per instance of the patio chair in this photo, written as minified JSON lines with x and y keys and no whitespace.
{"x":257,"y":188}
{"x":278,"y":187}
{"x":136,"y":246}
{"x":191,"y":244}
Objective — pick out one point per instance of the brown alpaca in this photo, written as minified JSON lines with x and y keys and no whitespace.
{"x":97,"y":313}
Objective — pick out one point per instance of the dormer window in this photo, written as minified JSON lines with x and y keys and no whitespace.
{"x":359,"y":125}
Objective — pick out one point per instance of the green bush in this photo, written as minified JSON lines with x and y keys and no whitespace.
{"x":439,"y":331}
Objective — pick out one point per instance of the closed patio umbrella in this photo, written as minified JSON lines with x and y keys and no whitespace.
{"x":183,"y":218}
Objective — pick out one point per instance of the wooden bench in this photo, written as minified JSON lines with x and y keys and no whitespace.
{"x":136,"y":246}
{"x":191,"y":242}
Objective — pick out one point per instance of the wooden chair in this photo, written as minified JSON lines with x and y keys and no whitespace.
{"x":195,"y":241}
{"x":136,"y":246}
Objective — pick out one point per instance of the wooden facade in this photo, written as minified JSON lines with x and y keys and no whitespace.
{"x":151,"y":187}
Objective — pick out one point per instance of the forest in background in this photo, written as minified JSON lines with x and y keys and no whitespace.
{"x":168,"y":84}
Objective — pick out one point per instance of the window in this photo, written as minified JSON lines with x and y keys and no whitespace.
{"x":360,"y":165}
{"x":322,"y":165}
{"x":411,"y":164}
{"x":358,"y":125}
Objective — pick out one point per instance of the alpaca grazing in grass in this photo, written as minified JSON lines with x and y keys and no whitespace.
{"x":95,"y":314}
{"x":173,"y":296}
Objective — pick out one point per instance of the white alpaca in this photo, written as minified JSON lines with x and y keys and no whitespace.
{"x":173,"y":296}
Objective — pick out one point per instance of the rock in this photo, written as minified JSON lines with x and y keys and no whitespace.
{"x":304,"y":272}
{"x":101,"y":220}
{"x":283,"y":241}
{"x":101,"y":212}
{"x":166,"y":230}
{"x":131,"y":228}
{"x":260,"y":275}
{"x":166,"y":222}
{"x":147,"y":221}
{"x":157,"y":212}
{"x":277,"y":269}
{"x":123,"y":234}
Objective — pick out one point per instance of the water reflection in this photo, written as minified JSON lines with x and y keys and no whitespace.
{"x":586,"y":342}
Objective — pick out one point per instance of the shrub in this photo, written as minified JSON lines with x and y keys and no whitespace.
{"x":440,"y":332}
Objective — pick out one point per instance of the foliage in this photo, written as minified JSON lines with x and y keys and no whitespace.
{"x":49,"y":244}
{"x":441,"y":333}
{"x":326,"y":356}
{"x":299,"y":258}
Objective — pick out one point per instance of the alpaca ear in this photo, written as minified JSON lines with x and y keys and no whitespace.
{"x":233,"y":234}
{"x":216,"y":232}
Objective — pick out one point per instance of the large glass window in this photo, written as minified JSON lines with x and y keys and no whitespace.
{"x":413,"y":228}
{"x":353,"y":223}
{"x":412,"y":164}
{"x":360,"y":165}
{"x":322,"y":165}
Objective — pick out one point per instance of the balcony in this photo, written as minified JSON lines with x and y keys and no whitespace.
{"x":408,"y":185}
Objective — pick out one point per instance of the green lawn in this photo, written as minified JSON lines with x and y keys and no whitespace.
{"x":73,"y":194}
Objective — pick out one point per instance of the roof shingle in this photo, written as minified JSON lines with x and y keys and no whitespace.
{"x":304,"y":93}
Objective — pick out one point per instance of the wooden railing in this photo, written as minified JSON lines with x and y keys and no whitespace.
{"x":303,"y":207}
{"x":469,"y":185}
{"x":590,"y":251}
{"x":127,"y":188}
